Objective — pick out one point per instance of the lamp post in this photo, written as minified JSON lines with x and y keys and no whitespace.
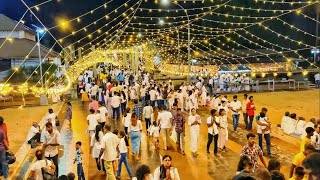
{"x":39,"y":31}
{"x":316,"y":50}
{"x":189,"y":53}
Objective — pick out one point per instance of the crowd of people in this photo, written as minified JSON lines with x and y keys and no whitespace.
{"x":166,"y":110}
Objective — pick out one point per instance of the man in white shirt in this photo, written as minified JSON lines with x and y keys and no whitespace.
{"x":36,"y":168}
{"x":51,"y":142}
{"x":165,"y":119}
{"x":152,"y":94}
{"x":92,"y":119}
{"x":103,"y":112}
{"x":115,"y":104}
{"x":235,"y":107}
{"x":143,"y":95}
{"x":244,"y":109}
{"x":34,"y":133}
{"x":213,"y":124}
{"x":147,"y":111}
{"x":317,"y":80}
{"x":52,"y":117}
{"x":94,"y":90}
{"x":109,"y":145}
{"x":80,"y":78}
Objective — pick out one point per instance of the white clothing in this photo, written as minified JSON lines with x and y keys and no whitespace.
{"x":214,"y":128}
{"x":317,"y":77}
{"x":194,"y":132}
{"x":152,"y":94}
{"x":150,"y":177}
{"x":80,"y":78}
{"x":154,"y":131}
{"x":32,"y":132}
{"x":260,"y":128}
{"x":96,"y":145}
{"x":143,"y":92}
{"x":115,"y":101}
{"x":216,"y":102}
{"x":173,"y":173}
{"x":93,"y":122}
{"x":291,"y":126}
{"x":284,"y":122}
{"x":122,"y":146}
{"x":53,"y":138}
{"x":94,"y":90}
{"x":36,"y":168}
{"x":315,"y":140}
{"x":88,"y":87}
{"x":147,"y":111}
{"x":235,"y":106}
{"x":126,"y":120}
{"x":203,"y":95}
{"x":109,"y":143}
{"x":300,"y":127}
{"x":138,"y":127}
{"x":164,"y":118}
{"x":103,"y":112}
{"x":52,"y":118}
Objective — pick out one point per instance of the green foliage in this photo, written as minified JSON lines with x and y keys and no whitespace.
{"x":33,"y":72}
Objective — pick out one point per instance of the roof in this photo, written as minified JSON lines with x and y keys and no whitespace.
{"x":20,"y":48}
{"x":8,"y":24}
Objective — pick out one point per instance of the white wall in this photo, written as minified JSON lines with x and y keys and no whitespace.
{"x":17,"y":35}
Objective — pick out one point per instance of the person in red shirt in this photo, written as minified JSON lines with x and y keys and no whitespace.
{"x":250,"y":111}
{"x":3,"y":127}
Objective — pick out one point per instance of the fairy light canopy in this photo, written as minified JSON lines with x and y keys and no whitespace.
{"x":222,"y":32}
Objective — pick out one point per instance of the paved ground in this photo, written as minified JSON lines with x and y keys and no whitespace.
{"x":205,"y":166}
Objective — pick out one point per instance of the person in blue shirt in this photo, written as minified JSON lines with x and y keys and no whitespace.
{"x":78,"y":161}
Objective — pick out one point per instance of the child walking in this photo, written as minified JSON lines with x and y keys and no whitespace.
{"x":123,"y":148}
{"x":78,"y":161}
{"x":154,"y":131}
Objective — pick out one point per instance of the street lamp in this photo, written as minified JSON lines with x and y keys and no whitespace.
{"x":166,"y":2}
{"x":39,"y":31}
{"x":161,"y":21}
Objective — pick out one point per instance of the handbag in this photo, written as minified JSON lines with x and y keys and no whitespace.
{"x":48,"y":173}
{"x":10,"y":157}
{"x":57,"y":123}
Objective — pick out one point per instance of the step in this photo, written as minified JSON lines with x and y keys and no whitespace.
{"x":24,"y":151}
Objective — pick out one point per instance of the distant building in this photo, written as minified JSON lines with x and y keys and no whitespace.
{"x":19,"y":44}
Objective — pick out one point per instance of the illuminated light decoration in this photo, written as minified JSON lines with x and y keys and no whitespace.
{"x":289,"y":74}
{"x":203,"y":40}
{"x":5,"y":89}
{"x":275,"y":74}
{"x":304,"y":73}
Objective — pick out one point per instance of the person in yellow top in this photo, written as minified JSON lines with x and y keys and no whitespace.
{"x":298,"y":174}
{"x":298,"y":158}
{"x":307,"y":139}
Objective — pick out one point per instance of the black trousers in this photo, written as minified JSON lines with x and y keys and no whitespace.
{"x":215,"y":142}
{"x":55,"y":160}
{"x":148,"y":123}
{"x":99,"y":162}
{"x":36,"y":137}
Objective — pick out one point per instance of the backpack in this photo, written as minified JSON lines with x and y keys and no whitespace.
{"x":48,"y":173}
